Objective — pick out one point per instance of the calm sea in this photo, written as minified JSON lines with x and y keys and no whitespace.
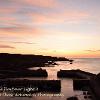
{"x":86,"y":64}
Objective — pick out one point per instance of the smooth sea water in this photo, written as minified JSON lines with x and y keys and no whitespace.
{"x":86,"y":64}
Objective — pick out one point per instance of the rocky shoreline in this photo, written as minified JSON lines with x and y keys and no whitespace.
{"x":83,"y":81}
{"x":74,"y":74}
{"x":23,"y":73}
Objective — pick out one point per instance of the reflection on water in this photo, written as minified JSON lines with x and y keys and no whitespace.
{"x":90,"y":65}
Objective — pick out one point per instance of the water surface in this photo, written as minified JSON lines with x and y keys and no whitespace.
{"x":86,"y":64}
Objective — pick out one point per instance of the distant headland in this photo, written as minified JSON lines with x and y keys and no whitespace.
{"x":25,"y":61}
{"x":17,"y":65}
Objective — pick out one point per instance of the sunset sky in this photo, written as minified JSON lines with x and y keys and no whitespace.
{"x":69,"y":28}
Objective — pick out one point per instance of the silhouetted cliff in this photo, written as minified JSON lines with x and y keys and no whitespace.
{"x":8,"y":61}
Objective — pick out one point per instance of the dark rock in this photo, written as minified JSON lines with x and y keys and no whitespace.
{"x":72,"y":98}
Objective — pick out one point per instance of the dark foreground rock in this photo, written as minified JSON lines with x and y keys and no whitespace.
{"x":95,"y":86}
{"x":72,"y":98}
{"x":37,"y":85}
{"x":23,"y":73}
{"x":74,"y":74}
{"x":92,"y":85}
{"x":80,"y":84}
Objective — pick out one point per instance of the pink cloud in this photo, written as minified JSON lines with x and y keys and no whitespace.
{"x":19,"y":31}
{"x":13,"y":25}
{"x":18,"y":42}
{"x":7,"y":21}
{"x":60,"y":17}
{"x":17,"y":5}
{"x":41,"y":3}
{"x":8,"y":10}
{"x":92,"y":50}
{"x":6,"y":46}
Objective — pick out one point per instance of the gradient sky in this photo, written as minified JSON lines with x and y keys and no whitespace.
{"x":69,"y":28}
